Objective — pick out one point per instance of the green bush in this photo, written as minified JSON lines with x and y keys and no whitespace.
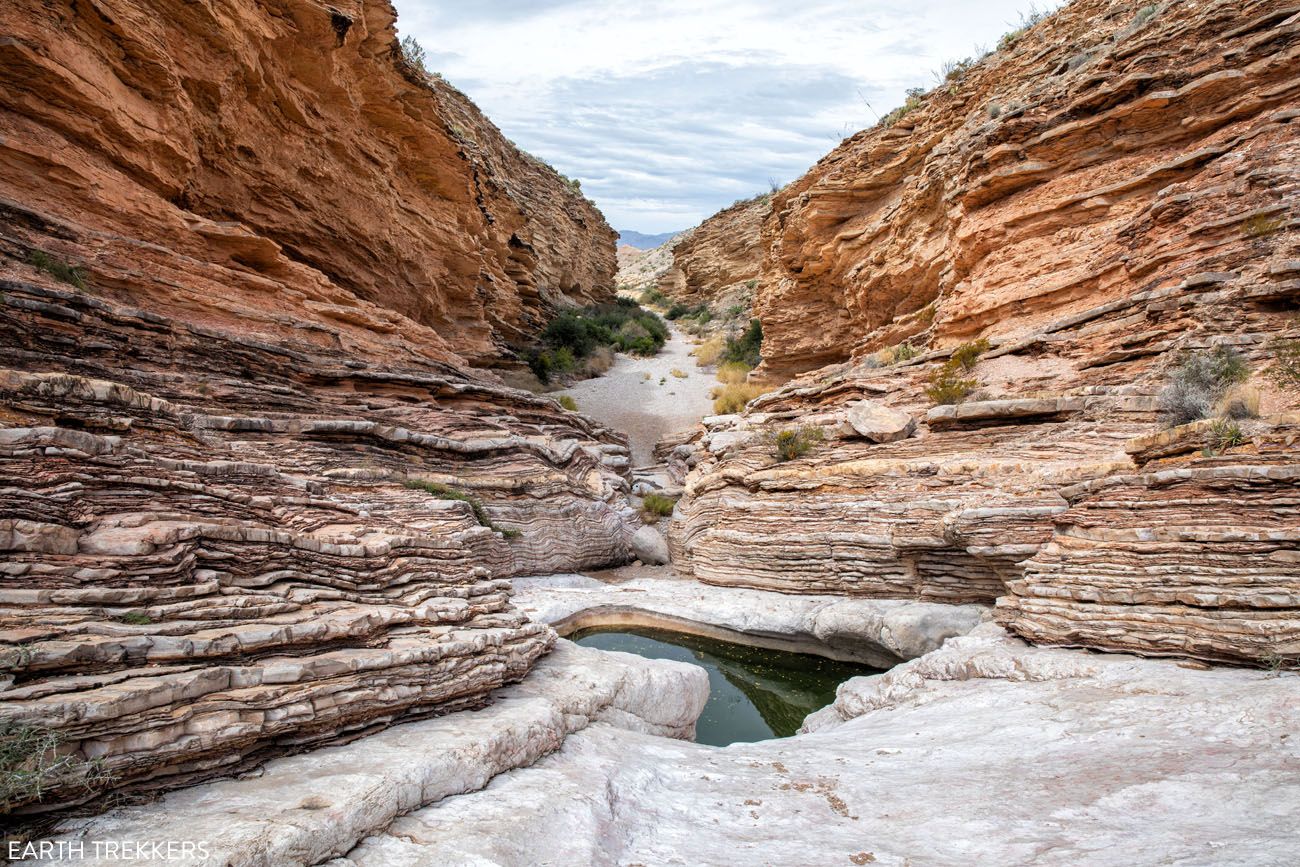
{"x":654,"y":297}
{"x":574,"y":334}
{"x":796,"y":442}
{"x":914,"y":98}
{"x":967,"y":354}
{"x":747,"y":349}
{"x":658,"y":505}
{"x":136,"y":618}
{"x":57,"y":268}
{"x":948,"y":386}
{"x":567,"y":401}
{"x":443,"y":492}
{"x":30,"y":765}
{"x":1199,"y":382}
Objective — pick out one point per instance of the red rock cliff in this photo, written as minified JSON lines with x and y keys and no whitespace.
{"x":1113,"y":190}
{"x":295,"y":123}
{"x":252,"y":498}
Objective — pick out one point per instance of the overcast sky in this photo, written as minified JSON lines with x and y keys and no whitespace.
{"x":668,"y":110}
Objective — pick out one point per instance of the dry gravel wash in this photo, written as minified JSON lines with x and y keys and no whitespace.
{"x":645,"y":410}
{"x":986,"y":751}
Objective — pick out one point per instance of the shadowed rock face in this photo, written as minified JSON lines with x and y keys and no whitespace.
{"x":1131,"y":200}
{"x":286,"y":133}
{"x":213,"y":545}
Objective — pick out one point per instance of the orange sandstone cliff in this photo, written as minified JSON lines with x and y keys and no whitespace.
{"x":252,"y":495}
{"x":1110,"y":192}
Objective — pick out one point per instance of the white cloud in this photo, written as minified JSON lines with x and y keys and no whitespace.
{"x":668,"y":110}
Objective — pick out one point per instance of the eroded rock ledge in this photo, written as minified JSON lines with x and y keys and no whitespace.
{"x":1094,"y":201}
{"x":253,"y":498}
{"x":878,"y":632}
{"x":305,"y":809}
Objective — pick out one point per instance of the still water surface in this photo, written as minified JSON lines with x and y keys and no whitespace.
{"x":754,"y":693}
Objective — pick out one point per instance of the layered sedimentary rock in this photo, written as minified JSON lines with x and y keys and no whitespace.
{"x":723,"y":253}
{"x":288,"y":135}
{"x":252,"y":496}
{"x":1098,"y":198}
{"x":639,"y":270}
{"x":952,"y":759}
{"x":1105,"y":152}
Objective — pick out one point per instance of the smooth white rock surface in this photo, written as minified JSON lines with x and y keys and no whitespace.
{"x":879,"y":632}
{"x":986,"y":752}
{"x":311,"y":807}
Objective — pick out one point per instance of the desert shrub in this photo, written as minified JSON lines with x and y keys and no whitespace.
{"x":136,"y":618}
{"x":735,"y":311}
{"x":747,"y":348}
{"x":732,"y":398}
{"x":686,"y":311}
{"x":733,"y":372}
{"x":1225,"y":434}
{"x":57,"y":268}
{"x":1199,"y":382}
{"x":575,"y":335}
{"x":567,"y":401}
{"x":894,"y":354}
{"x":948,"y":386}
{"x":1027,"y":20}
{"x":443,"y":492}
{"x":678,"y":372}
{"x":967,"y":354}
{"x":913,"y":102}
{"x":953,"y":70}
{"x":413,"y":54}
{"x":658,"y":505}
{"x":710,"y":350}
{"x":1286,"y":363}
{"x":1146,"y":13}
{"x":796,"y":442}
{"x":751,"y":285}
{"x":654,"y":297}
{"x":30,"y":765}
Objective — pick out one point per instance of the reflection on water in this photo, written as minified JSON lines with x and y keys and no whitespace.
{"x":754,"y":694}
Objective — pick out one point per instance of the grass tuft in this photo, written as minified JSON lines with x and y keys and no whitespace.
{"x":57,"y":268}
{"x":443,"y":492}
{"x":796,"y":442}
{"x":658,"y":505}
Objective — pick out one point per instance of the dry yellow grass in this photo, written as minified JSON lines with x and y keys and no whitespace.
{"x":733,"y":397}
{"x":733,"y":372}
{"x":1239,"y":401}
{"x":710,"y":350}
{"x":678,"y":372}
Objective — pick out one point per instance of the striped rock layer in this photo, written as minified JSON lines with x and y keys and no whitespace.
{"x":1104,"y":194}
{"x":252,"y":497}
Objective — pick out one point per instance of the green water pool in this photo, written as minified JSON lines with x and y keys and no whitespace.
{"x":754,"y":693}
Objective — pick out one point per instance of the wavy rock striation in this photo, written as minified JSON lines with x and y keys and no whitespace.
{"x":252,"y":497}
{"x":1123,"y":204}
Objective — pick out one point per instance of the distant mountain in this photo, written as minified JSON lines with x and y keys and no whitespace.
{"x":642,"y":241}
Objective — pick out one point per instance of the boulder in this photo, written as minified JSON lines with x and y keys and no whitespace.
{"x":877,"y":422}
{"x":649,"y":547}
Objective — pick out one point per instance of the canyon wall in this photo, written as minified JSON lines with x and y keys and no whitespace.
{"x":253,"y":497}
{"x":1114,"y":188}
{"x":723,"y":253}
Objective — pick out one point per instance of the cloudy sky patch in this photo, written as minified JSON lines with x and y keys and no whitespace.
{"x":668,"y":110}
